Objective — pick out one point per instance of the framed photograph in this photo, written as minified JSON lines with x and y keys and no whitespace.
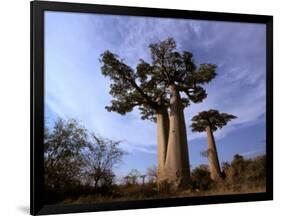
{"x":141,"y":108}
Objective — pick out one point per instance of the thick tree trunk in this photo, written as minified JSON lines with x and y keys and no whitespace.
{"x":177,"y":163}
{"x":213,"y":156}
{"x":162,"y":141}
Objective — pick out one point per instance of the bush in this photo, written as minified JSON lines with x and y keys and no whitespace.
{"x":201,"y":178}
{"x":245,"y":173}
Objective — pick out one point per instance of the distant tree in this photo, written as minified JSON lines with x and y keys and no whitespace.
{"x":63,"y":158}
{"x":204,"y":153}
{"x":142,"y":177}
{"x":152,"y":174}
{"x":126,"y":180}
{"x":155,"y":88}
{"x":134,"y":174}
{"x":237,"y":158}
{"x":210,"y":121}
{"x":101,"y":156}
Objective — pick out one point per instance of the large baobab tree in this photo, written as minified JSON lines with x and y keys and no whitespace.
{"x":155,"y":89}
{"x":209,"y":121}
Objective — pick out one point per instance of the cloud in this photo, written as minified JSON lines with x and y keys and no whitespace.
{"x":138,"y":147}
{"x":252,"y":153}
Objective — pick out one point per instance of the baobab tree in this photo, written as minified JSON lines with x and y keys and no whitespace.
{"x":210,"y":121}
{"x":142,"y":178}
{"x":155,"y":89}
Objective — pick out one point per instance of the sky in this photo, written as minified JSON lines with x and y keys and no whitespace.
{"x":75,"y":87}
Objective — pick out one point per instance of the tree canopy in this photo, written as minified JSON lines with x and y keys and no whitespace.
{"x":147,"y":86}
{"x":212,"y":118}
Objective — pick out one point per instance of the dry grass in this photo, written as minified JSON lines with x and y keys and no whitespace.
{"x":138,"y":192}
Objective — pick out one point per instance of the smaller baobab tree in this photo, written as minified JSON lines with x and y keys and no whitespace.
{"x":210,"y":121}
{"x":142,"y":177}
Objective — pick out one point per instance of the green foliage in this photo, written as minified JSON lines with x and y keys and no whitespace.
{"x":212,"y":118}
{"x":147,"y":86}
{"x":126,"y":91}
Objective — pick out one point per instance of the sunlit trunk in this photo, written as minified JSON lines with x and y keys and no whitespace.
{"x":177,"y":162}
{"x":162,"y":141}
{"x":213,"y":156}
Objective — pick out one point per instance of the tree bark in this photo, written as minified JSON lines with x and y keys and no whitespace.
{"x":177,"y":163}
{"x":213,"y":156}
{"x":162,"y":141}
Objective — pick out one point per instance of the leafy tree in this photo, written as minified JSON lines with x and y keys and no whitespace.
{"x":155,"y":88}
{"x":210,"y":121}
{"x":101,"y":156}
{"x":63,"y":157}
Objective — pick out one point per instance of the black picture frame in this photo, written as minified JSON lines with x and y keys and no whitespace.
{"x":37,"y":106}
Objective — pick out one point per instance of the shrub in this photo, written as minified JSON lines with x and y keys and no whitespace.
{"x":201,"y":178}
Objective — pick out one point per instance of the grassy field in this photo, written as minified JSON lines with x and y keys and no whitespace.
{"x":147,"y":192}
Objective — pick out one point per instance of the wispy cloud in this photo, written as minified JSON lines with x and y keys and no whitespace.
{"x":252,"y":153}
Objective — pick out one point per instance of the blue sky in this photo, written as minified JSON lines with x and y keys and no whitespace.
{"x":75,"y":87}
